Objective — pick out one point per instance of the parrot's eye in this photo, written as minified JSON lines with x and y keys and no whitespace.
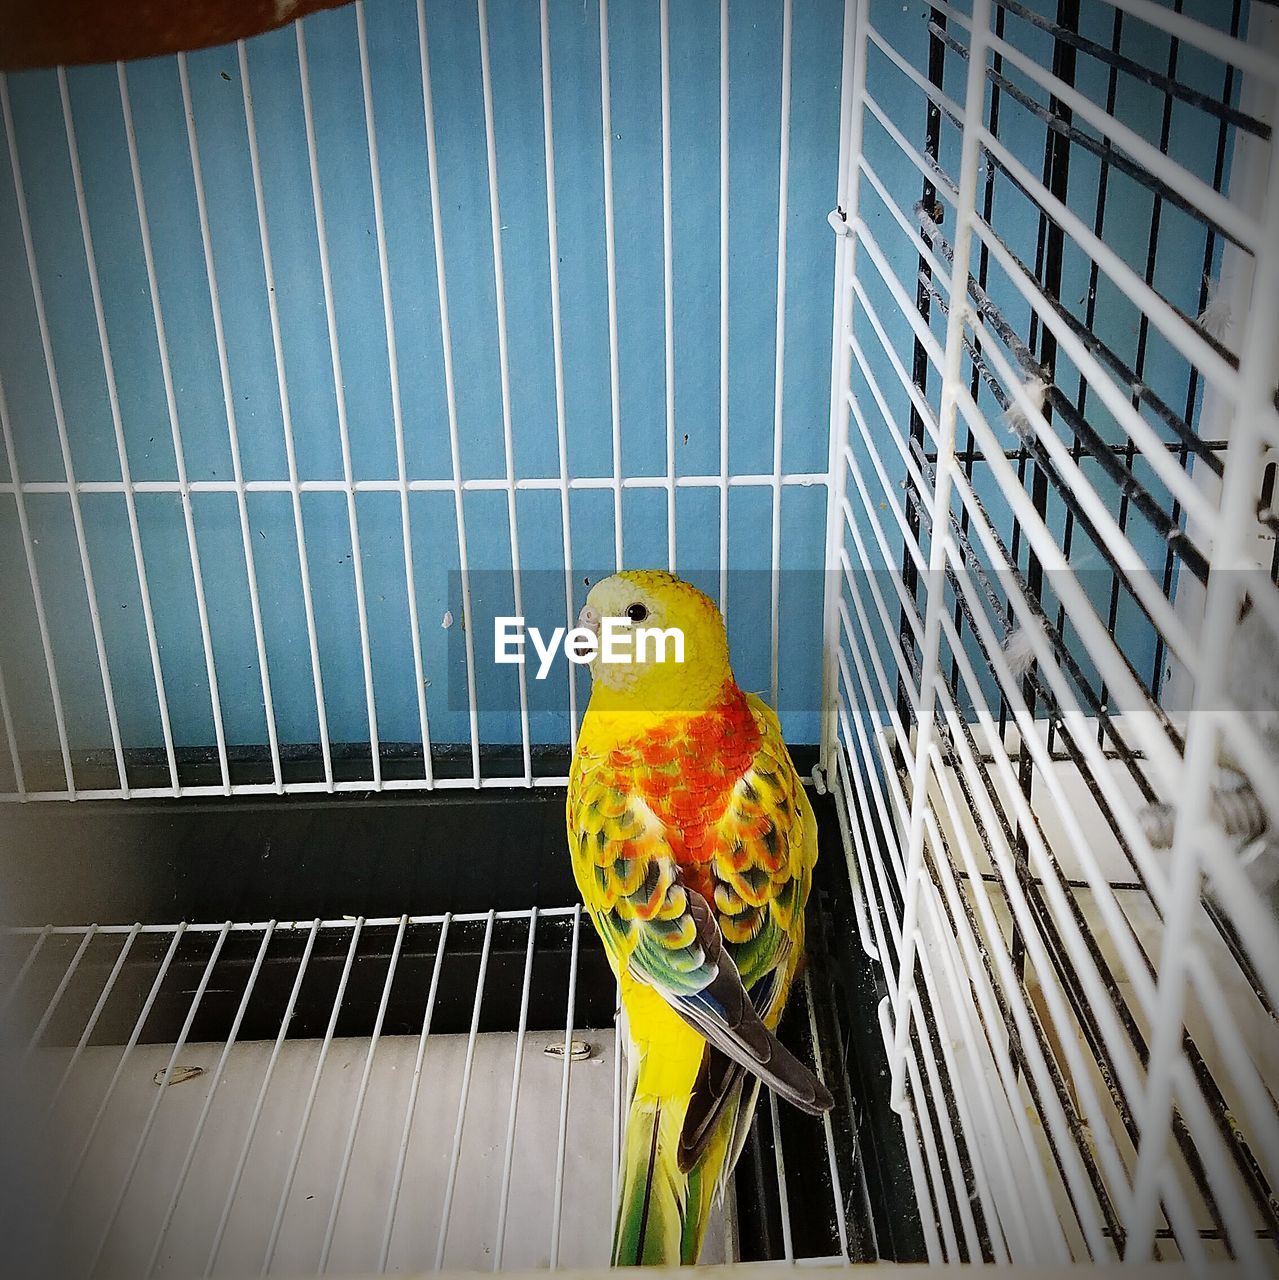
{"x":636,"y":612}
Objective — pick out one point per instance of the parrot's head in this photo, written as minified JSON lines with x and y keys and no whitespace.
{"x":662,"y":644}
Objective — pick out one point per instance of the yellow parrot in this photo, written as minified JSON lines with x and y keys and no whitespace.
{"x":693,"y":846}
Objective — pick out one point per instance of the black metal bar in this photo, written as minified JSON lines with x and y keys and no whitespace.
{"x":1082,"y":330}
{"x":983,"y":274}
{"x":1090,"y":305}
{"x":1059,"y":118}
{"x":1117,"y":61}
{"x":1143,"y":324}
{"x":1192,"y":387}
{"x":1211,"y":340}
{"x":1078,"y":451}
{"x":1034,"y":448}
{"x":1178,"y":539}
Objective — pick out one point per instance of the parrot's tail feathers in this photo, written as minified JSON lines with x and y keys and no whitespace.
{"x":726,"y":1016}
{"x":650,"y":1216}
{"x":742,"y":1117}
{"x":664,"y":1209}
{"x":712,"y":1091}
{"x":709,"y":1176}
{"x":753,"y":1045}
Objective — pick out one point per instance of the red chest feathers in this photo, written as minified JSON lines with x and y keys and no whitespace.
{"x":686,"y":771}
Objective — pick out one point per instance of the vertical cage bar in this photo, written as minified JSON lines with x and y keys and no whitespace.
{"x":60,"y":422}
{"x":562,"y":1142}
{"x":255,"y":1115}
{"x":11,"y":738}
{"x":723,"y":308}
{"x":233,"y":431}
{"x":972,"y":1244}
{"x":286,"y":416}
{"x":968,"y":1033}
{"x":504,"y":1196}
{"x":1019,"y":1220}
{"x":339,"y":392}
{"x":557,"y":340}
{"x":180,"y":1181}
{"x":1006,"y":959}
{"x":841,"y":1223}
{"x":397,"y":1180}
{"x":286,"y":1190}
{"x":847,"y":205}
{"x":504,"y":368}
{"x":175,"y":430}
{"x":56,"y":999}
{"x":668,"y":277}
{"x":620,"y":1040}
{"x":1253,"y":405}
{"x":450,"y":387}
{"x":117,"y":425}
{"x":36,"y":947}
{"x":911,"y":1133}
{"x":783,"y":1196}
{"x":974,"y":101}
{"x":156,"y":1102}
{"x":464,"y":1094}
{"x":361,"y":1092}
{"x":610,"y":259}
{"x":868,"y":769}
{"x":393,"y":372}
{"x":140,"y":1022}
{"x":779,"y":361}
{"x":37,"y":596}
{"x":1225,"y":152}
{"x":932,"y":1160}
{"x":107,"y":987}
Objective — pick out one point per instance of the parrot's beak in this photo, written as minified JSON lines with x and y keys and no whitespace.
{"x":589,"y":618}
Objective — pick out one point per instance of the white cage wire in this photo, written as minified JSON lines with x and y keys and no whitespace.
{"x":1062,"y":638}
{"x":289,"y":1145}
{"x":385,"y":356}
{"x":1040,"y":665}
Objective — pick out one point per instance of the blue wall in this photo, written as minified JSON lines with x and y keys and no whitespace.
{"x":755,"y":94}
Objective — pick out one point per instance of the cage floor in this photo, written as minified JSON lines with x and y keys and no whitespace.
{"x":266,"y":1201}
{"x":282,"y":1144}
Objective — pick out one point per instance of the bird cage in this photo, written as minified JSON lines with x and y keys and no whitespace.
{"x":936,"y":342}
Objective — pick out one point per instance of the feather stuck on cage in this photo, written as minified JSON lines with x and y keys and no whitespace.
{"x":1215,"y":318}
{"x":1016,"y":418}
{"x":1019,"y":653}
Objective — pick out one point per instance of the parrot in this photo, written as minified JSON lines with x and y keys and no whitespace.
{"x":693,"y":845}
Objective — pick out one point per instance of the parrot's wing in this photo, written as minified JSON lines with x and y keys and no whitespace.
{"x":767,"y":848}
{"x":724,"y":1013}
{"x":765,"y":851}
{"x":713,"y":1090}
